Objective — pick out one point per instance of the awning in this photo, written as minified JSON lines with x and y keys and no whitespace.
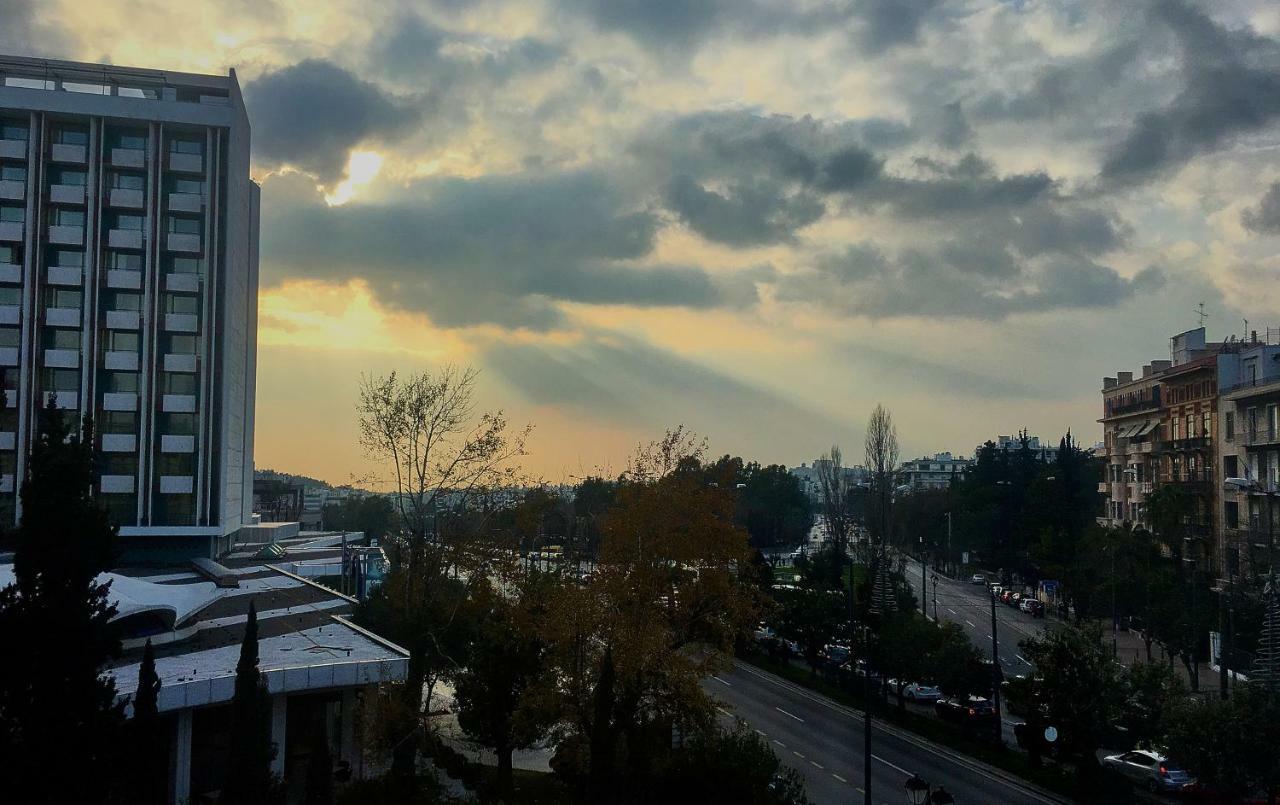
{"x":1148,"y":427}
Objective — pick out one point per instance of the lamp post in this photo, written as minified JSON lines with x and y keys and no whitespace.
{"x":919,"y":792}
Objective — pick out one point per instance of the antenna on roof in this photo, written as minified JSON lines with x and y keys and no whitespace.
{"x":1245,"y":337}
{"x":1200,"y":312}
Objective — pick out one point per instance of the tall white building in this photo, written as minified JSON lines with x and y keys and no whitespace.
{"x":128,"y":288}
{"x":933,"y":472}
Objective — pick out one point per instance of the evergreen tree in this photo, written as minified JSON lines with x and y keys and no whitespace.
{"x":58,"y":710}
{"x":249,"y":780}
{"x":150,"y":756}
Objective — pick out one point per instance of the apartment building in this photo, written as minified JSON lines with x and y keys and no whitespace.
{"x":1131,"y":417}
{"x":1048,"y":453}
{"x":933,"y":472}
{"x":1249,"y":450}
{"x":128,"y":288}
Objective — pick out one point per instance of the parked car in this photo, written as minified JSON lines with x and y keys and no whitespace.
{"x":969,"y":712}
{"x":1005,"y":596}
{"x":978,"y":578}
{"x":915,"y":692}
{"x":996,"y":589}
{"x":1015,"y":599}
{"x":1033,"y":606}
{"x":1151,"y":770}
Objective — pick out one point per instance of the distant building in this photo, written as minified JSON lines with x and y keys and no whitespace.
{"x":933,"y":472}
{"x":1045,"y":452}
{"x":809,"y":476}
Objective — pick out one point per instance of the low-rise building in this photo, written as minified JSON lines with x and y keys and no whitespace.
{"x":933,"y":472}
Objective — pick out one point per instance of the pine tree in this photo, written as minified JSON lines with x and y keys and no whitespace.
{"x":1266,"y":665}
{"x":58,"y":710}
{"x":150,"y":757}
{"x":249,"y":780}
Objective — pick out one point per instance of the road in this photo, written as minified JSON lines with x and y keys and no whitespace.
{"x":823,"y":741}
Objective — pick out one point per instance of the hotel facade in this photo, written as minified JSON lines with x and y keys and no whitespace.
{"x":128,"y":289}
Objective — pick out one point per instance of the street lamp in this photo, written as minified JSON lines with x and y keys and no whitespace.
{"x":917,"y":790}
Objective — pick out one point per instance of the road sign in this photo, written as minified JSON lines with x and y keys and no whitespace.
{"x":1051,"y":734}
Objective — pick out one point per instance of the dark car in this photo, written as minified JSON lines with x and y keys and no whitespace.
{"x":1006,"y":596}
{"x":971,"y":711}
{"x":1036,"y":608}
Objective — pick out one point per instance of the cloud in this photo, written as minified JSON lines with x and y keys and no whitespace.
{"x":310,"y":115}
{"x":499,"y":249}
{"x":745,"y":214}
{"x":1264,"y":219}
{"x":413,"y":49}
{"x":889,"y":23}
{"x":1231,"y":87}
{"x":23,"y":32}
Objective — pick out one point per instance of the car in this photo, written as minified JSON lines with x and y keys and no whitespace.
{"x":1033,"y":607}
{"x":996,"y":589}
{"x":1005,"y":596}
{"x":978,"y":578}
{"x":1015,"y":600}
{"x":1151,"y":770}
{"x":969,"y":712}
{"x":915,"y":692}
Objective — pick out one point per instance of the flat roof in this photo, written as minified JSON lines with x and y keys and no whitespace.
{"x":30,"y":67}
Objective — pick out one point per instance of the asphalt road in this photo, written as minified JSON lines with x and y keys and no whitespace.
{"x":823,"y":741}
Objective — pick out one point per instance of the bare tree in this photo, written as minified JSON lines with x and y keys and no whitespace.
{"x":836,"y":489}
{"x":881,"y":445}
{"x":450,"y":468}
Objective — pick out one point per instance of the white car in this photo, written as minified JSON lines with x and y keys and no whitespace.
{"x":977,"y":578}
{"x":1150,"y":769}
{"x":915,"y":692}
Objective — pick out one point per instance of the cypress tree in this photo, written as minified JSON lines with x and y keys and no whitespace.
{"x":150,"y":751}
{"x":248,"y":779}
{"x":58,"y":709}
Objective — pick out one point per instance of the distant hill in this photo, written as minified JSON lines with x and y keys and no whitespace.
{"x":299,"y":480}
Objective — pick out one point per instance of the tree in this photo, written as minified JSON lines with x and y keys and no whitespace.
{"x":732,"y":766}
{"x":955,"y":665}
{"x":373,"y":515}
{"x":507,"y":658}
{"x":630,"y":647}
{"x":1230,"y":745}
{"x":53,"y":688}
{"x":1150,"y":690}
{"x":1079,"y":685}
{"x":249,"y":780}
{"x":446,"y":465}
{"x":811,"y":616}
{"x":149,"y":759}
{"x":905,"y":640}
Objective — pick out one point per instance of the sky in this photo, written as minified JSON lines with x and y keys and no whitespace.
{"x":758,"y":219}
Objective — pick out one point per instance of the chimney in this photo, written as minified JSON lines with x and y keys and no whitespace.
{"x":1146,"y":370}
{"x":1254,"y":335}
{"x":1124,"y":377}
{"x":1160,"y":366}
{"x":1108,"y":382}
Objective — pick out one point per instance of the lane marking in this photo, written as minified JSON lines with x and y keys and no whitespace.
{"x":838,"y":777}
{"x":859,"y":790}
{"x":971,"y":626}
{"x":891,"y":765}
{"x":1024,"y":659}
{"x":952,"y":611}
{"x":797,"y":754}
{"x":816,"y":763}
{"x":789,"y":715}
{"x":761,"y":733}
{"x":726,"y":712}
{"x":721,"y":681}
{"x":779,"y":743}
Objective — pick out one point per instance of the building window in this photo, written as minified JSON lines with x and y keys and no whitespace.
{"x":193,"y":187}
{"x":60,"y":380}
{"x":120,"y":382}
{"x":1232,"y":511}
{"x":1230,"y":426}
{"x":119,"y":464}
{"x":179,"y":383}
{"x":13,"y":213}
{"x":125,"y":221}
{"x":176,"y":464}
{"x":122,"y":341}
{"x":124,"y":261}
{"x":176,"y":509}
{"x":10,"y":295}
{"x":14,"y":129}
{"x":181,"y":344}
{"x":71,"y":176}
{"x":62,"y":297}
{"x":1231,"y":466}
{"x":9,"y":254}
{"x":9,"y":336}
{"x":70,"y":135}
{"x":62,"y":216}
{"x":59,"y":338}
{"x":13,"y":173}
{"x":122,"y":509}
{"x":184,"y":265}
{"x":119,"y":180}
{"x":124,"y":300}
{"x":1177,"y":429}
{"x":118,"y":422}
{"x":132,"y":139}
{"x":66,"y":258}
{"x":184,"y":226}
{"x":178,"y":424}
{"x":184,"y":146}
{"x":179,"y":303}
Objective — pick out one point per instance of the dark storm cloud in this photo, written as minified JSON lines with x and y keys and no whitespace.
{"x":501,"y":250}
{"x":863,"y":281}
{"x":310,"y":115}
{"x":1264,"y":218}
{"x":743,"y":215}
{"x":620,"y":378}
{"x":24,"y":33}
{"x":1231,"y":87}
{"x":889,"y":23}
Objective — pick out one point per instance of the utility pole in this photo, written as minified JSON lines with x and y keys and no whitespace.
{"x":948,"y":568}
{"x":924,"y":582}
{"x":995,"y":668}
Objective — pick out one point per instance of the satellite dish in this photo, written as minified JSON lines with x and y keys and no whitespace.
{"x":1051,"y":734}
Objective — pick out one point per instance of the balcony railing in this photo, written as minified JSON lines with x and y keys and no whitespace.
{"x":1193,"y":443}
{"x":1261,"y":435}
{"x":1149,"y":404}
{"x":1199,"y":478}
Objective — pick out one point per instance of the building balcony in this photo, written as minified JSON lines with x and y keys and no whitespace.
{"x":124,"y":279}
{"x":10,"y":314}
{"x":182,"y":242}
{"x":181,"y":322}
{"x":177,"y":444}
{"x":60,"y":152}
{"x":1104,"y":487}
{"x":6,"y":483}
{"x":11,"y":230}
{"x":120,"y":361}
{"x":116,"y":484}
{"x":10,"y":272}
{"x":125,"y":238}
{"x":119,"y":443}
{"x":185,"y":202}
{"x":123,"y":320}
{"x":126,"y":199}
{"x":66,"y":194}
{"x":13,"y":149}
{"x":64,"y":275}
{"x":1193,"y":443}
{"x":66,"y":235}
{"x":176,"y":484}
{"x":66,"y":400}
{"x":62,"y":358}
{"x":128,"y":157}
{"x":1192,"y":482}
{"x":1261,"y":437}
{"x":8,"y":440}
{"x":186,"y":163}
{"x":13,"y":191}
{"x":62,"y":316}
{"x":1145,"y":487}
{"x":120,"y":401}
{"x":182,"y":283}
{"x":178,"y":403}
{"x":180,"y":363}
{"x":8,"y":356}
